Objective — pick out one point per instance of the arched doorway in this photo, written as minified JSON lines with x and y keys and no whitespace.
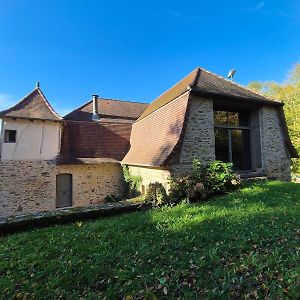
{"x":63,"y":190}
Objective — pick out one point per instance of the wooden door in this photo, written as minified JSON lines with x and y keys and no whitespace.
{"x":63,"y":190}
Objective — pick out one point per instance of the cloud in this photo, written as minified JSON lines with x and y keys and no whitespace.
{"x":258,"y":7}
{"x":6,"y":101}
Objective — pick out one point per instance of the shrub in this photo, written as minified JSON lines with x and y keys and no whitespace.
{"x":156,"y":194}
{"x":205,"y":181}
{"x":217,"y":177}
{"x":132,"y":183}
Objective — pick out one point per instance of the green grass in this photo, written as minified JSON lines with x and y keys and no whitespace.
{"x":243,"y":245}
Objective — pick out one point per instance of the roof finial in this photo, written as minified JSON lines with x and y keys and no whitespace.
{"x":37,"y":84}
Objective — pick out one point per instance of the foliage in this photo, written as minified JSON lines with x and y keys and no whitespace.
{"x":289,"y":93}
{"x":244,"y":245}
{"x":179,"y":188}
{"x":205,"y":181}
{"x":156,"y":194}
{"x":132,"y":183}
{"x":217,"y":177}
{"x":112,"y":198}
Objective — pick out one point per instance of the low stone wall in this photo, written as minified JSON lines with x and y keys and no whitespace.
{"x":30,"y":186}
{"x":275,"y":159}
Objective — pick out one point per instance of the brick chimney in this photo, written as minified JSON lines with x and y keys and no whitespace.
{"x":95,"y":116}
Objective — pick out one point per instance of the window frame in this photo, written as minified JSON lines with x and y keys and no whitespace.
{"x":229,"y":130}
{"x":7,"y":139}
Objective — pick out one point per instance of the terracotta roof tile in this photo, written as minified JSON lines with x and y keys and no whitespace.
{"x":175,"y":91}
{"x":108,"y":109}
{"x":33,"y":106}
{"x":207,"y":84}
{"x":154,"y":137}
{"x":95,"y":140}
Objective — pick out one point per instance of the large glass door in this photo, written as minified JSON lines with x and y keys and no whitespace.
{"x":232,"y":139}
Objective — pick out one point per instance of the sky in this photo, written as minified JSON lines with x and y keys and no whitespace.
{"x":135,"y":50}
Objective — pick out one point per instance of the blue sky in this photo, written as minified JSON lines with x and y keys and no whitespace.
{"x":135,"y":50}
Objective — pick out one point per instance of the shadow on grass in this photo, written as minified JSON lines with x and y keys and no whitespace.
{"x":204,"y":251}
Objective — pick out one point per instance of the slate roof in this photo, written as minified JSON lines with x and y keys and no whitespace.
{"x":109,"y":110}
{"x":207,"y":84}
{"x":33,"y":106}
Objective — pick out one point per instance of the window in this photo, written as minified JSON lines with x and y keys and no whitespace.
{"x":232,"y":138}
{"x":10,"y":136}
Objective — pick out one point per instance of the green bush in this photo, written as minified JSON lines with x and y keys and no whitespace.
{"x":132,"y":183}
{"x":205,"y":181}
{"x":156,"y":194}
{"x":217,"y":177}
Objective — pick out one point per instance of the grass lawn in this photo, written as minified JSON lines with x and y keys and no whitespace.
{"x":240,"y":246}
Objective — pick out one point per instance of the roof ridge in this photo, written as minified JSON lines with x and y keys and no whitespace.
{"x":47,"y":103}
{"x":237,"y":84}
{"x":36,"y":89}
{"x":169,"y":89}
{"x":101,"y":98}
{"x":127,"y":101}
{"x":27,"y":95}
{"x":196,"y":77}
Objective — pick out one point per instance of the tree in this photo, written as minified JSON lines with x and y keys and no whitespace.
{"x":289,"y":93}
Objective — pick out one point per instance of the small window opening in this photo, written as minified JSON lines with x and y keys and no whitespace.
{"x":10,"y":136}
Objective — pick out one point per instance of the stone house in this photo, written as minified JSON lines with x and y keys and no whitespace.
{"x":49,"y":162}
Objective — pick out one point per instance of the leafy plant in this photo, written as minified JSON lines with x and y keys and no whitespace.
{"x":217,"y":177}
{"x":156,"y":194}
{"x":132,"y":183}
{"x":205,"y":181}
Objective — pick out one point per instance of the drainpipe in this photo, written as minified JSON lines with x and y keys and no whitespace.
{"x":95,"y":116}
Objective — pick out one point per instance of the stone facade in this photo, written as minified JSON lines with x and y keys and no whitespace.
{"x":92,"y":183}
{"x":27,"y":186}
{"x":275,"y":158}
{"x":30,"y":186}
{"x":198,"y":140}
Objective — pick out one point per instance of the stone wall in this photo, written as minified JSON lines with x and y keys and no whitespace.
{"x":150,"y":175}
{"x":275,"y":158}
{"x":198,"y":141}
{"x":91,"y":183}
{"x":30,"y":186}
{"x":27,"y":186}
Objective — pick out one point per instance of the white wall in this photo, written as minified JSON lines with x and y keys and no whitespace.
{"x":36,"y":140}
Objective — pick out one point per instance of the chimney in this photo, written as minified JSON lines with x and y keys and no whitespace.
{"x":95,"y":116}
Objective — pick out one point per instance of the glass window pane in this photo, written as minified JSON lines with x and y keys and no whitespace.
{"x":241,"y":157}
{"x":221,"y":144}
{"x":233,"y":118}
{"x":220,"y":117}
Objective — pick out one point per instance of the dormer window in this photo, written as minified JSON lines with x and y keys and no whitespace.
{"x":10,"y":136}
